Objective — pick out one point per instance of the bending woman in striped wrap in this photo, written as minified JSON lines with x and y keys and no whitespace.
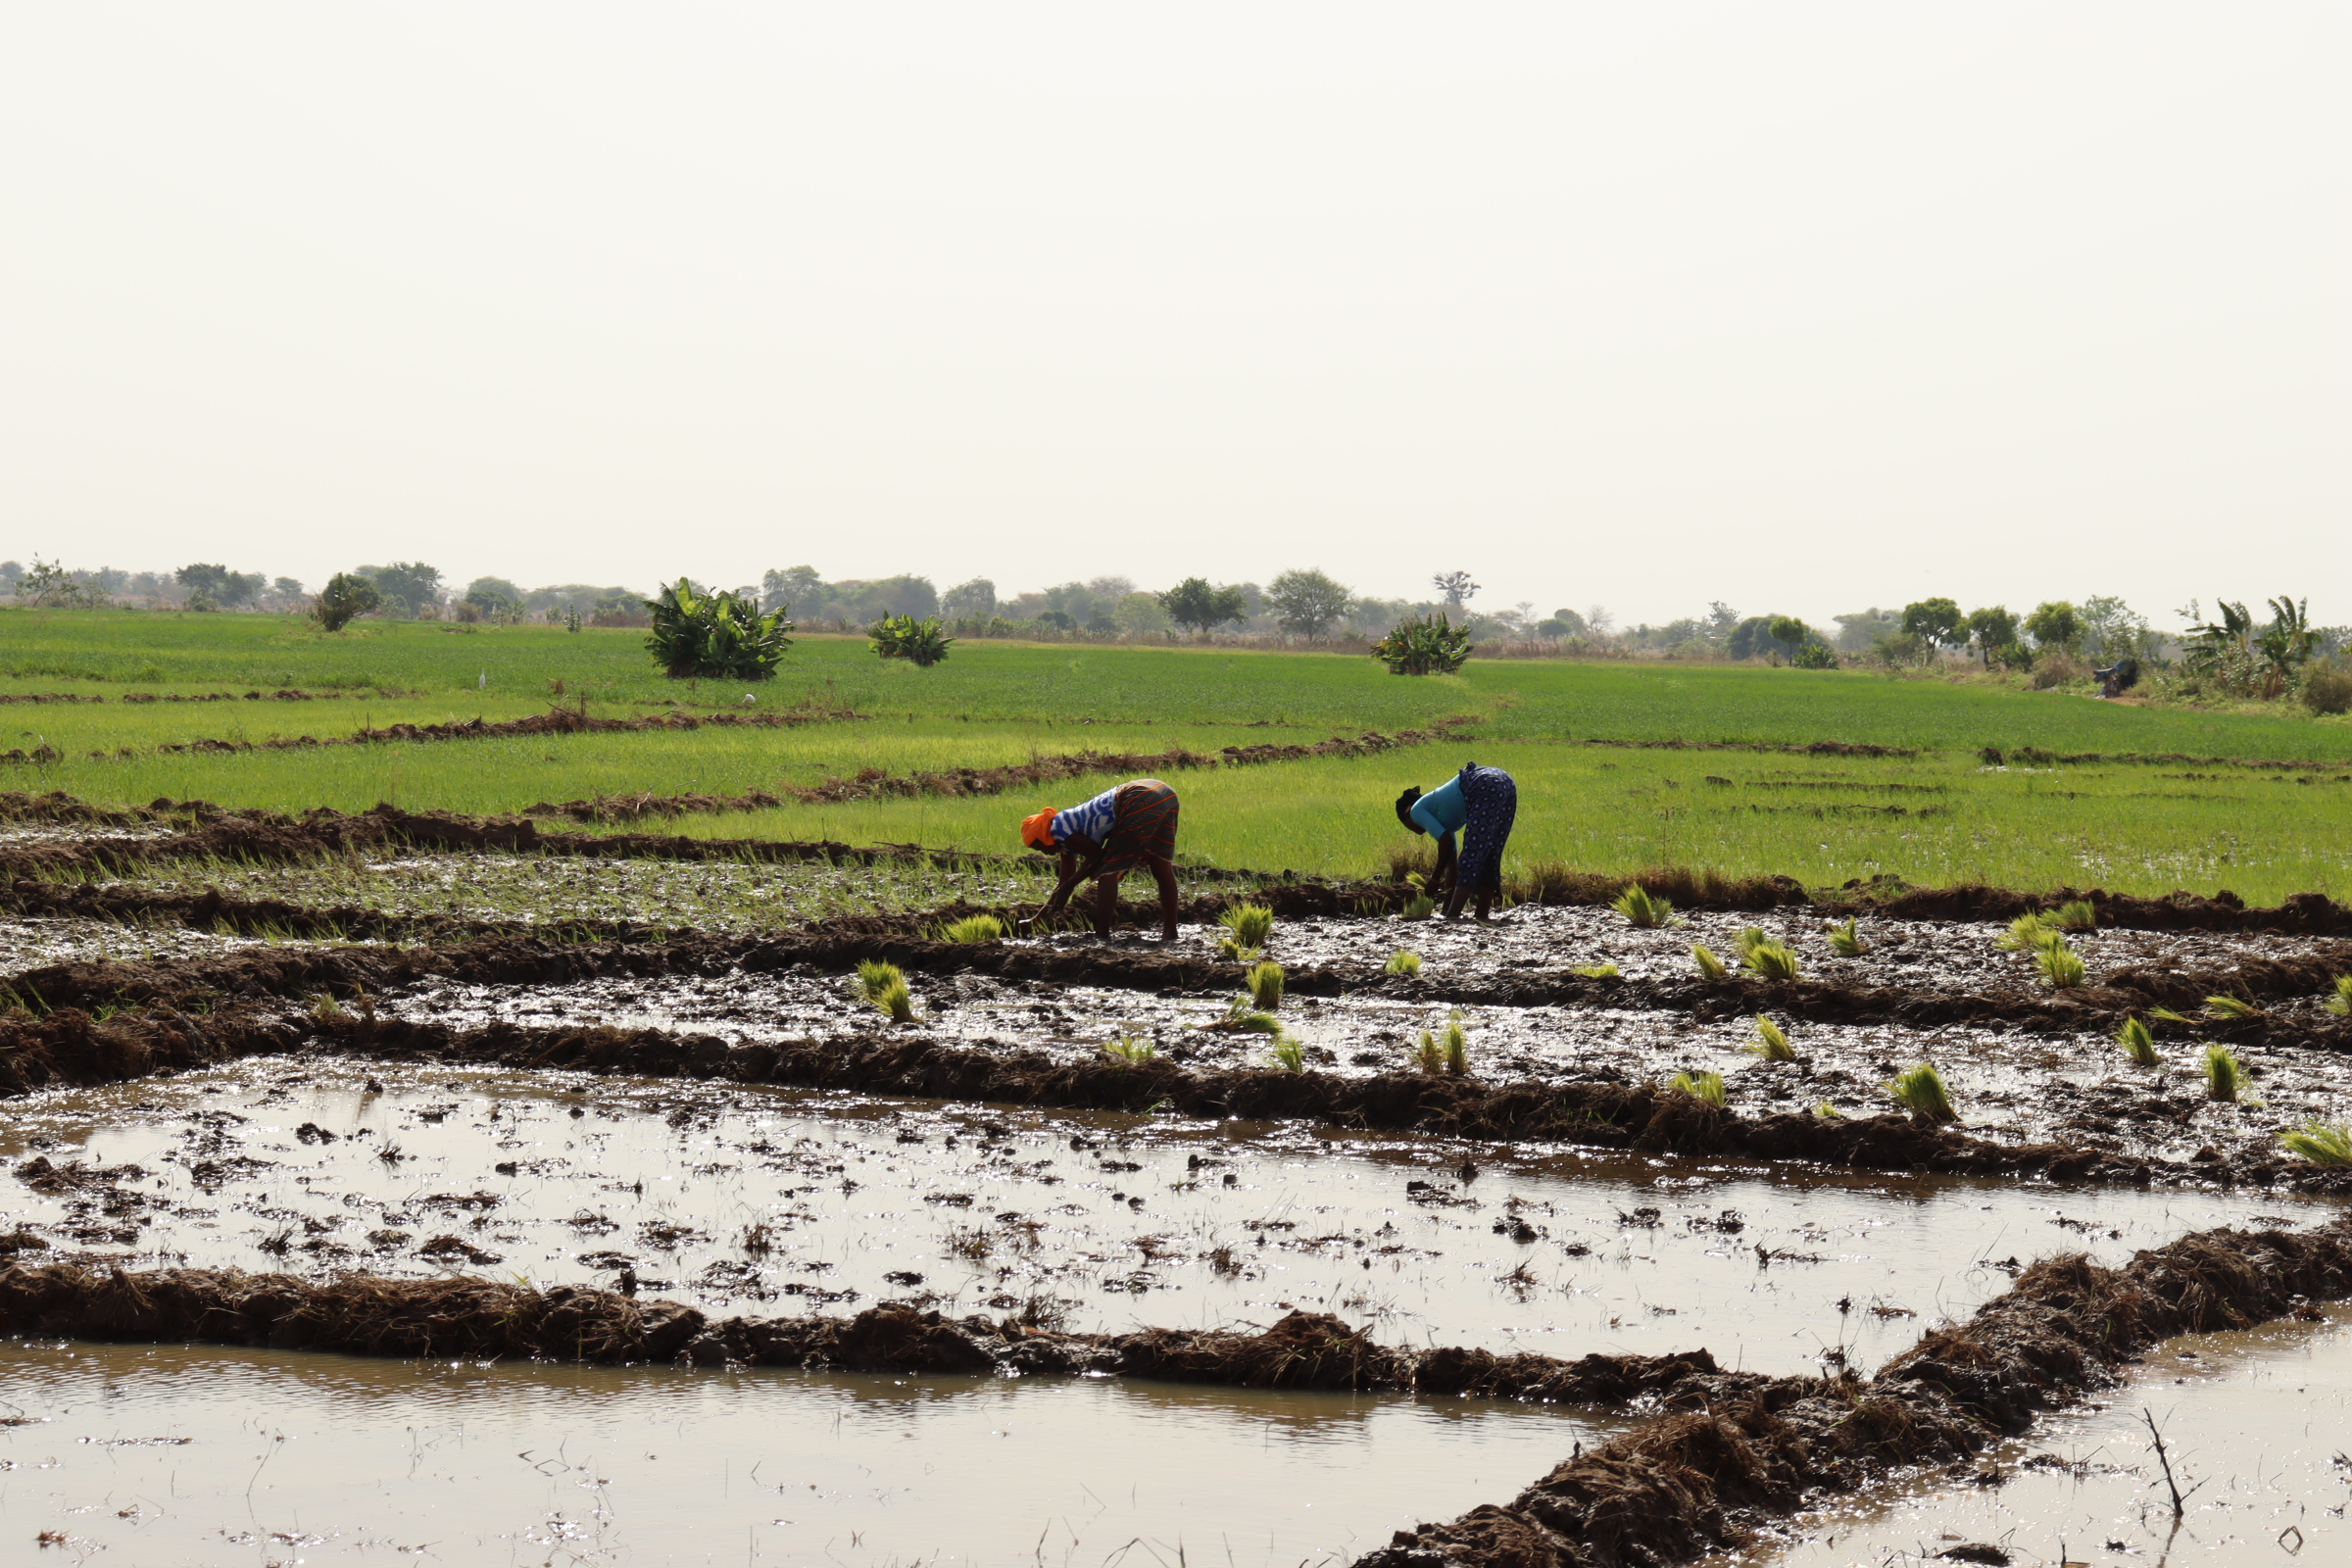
{"x":1106,"y":838}
{"x":1479,"y":803}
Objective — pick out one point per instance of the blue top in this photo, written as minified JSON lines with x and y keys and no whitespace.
{"x":1094,"y":819}
{"x":1443,"y":811}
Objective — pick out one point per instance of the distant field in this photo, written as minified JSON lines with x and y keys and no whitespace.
{"x":1939,"y":816}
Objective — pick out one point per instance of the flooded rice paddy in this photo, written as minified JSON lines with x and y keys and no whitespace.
{"x":770,"y":1201}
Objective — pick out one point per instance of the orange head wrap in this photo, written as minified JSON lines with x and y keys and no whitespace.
{"x":1037,"y":831}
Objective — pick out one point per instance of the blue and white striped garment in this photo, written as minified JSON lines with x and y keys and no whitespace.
{"x":1092,"y":819}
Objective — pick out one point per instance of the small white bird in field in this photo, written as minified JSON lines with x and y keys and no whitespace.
{"x":482,"y":681}
{"x":749,"y":699}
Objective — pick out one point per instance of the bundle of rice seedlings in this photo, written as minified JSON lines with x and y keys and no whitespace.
{"x":1771,"y":1043}
{"x":1773,"y":960}
{"x":1847,"y":942}
{"x":1707,"y":1086}
{"x":2138,"y":1043}
{"x":1289,"y":1055}
{"x":1643,"y":908}
{"x":885,"y":986}
{"x":1265,"y":985}
{"x":2321,"y":1143}
{"x":2061,"y":965}
{"x":971,"y":928}
{"x":2028,"y":933}
{"x":2341,"y":1003}
{"x":1129,"y":1049}
{"x":2231,"y":1007}
{"x":2225,"y":1074}
{"x":1750,"y":938}
{"x":1243,"y":1018}
{"x":1454,"y":1044}
{"x":324,"y":1008}
{"x":2079,"y":916}
{"x":1428,"y":1055}
{"x":1403,"y":963}
{"x":1921,"y":1092}
{"x":2166,"y":1016}
{"x":1420,"y":908}
{"x":1827,"y":1112}
{"x":1710,"y":968}
{"x":1248,"y":925}
{"x":1598,"y":971}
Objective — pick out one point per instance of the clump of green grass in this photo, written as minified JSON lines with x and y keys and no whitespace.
{"x":2341,"y":1003}
{"x":1771,"y":1042}
{"x":1289,"y":1055}
{"x":2061,"y":965}
{"x":1265,"y":985}
{"x":2028,"y":933}
{"x":1403,"y":963}
{"x":1128,"y":1050}
{"x":1707,"y":1086}
{"x":1710,"y":968}
{"x":972,"y":928}
{"x":2079,"y":916}
{"x":2231,"y":1007}
{"x":1419,"y":907}
{"x":2321,"y":1143}
{"x":1643,"y":908}
{"x":1921,"y":1092}
{"x":1247,"y":926}
{"x":1847,"y":942}
{"x":2225,"y":1074}
{"x":1596,"y":971}
{"x":2138,"y":1043}
{"x":885,"y":986}
{"x":1773,"y":960}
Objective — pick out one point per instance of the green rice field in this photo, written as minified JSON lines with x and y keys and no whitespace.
{"x":1942,"y":815}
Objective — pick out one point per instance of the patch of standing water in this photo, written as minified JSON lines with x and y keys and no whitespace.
{"x":171,"y":1454}
{"x":770,"y":1202}
{"x":2256,"y":1425}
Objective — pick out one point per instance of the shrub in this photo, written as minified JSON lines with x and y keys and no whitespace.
{"x":2061,"y":965}
{"x":2328,"y":691}
{"x":1710,"y":968}
{"x":921,"y":643}
{"x":1771,"y":1043}
{"x":1265,"y":985}
{"x":1405,"y":963}
{"x":1773,"y":960}
{"x":343,"y":599}
{"x":1424,"y":646}
{"x":2225,"y":1074}
{"x":1643,"y":908}
{"x":2341,"y":1003}
{"x":2321,"y":1143}
{"x":2138,"y":1043}
{"x":1814,"y":656}
{"x":1847,"y":942}
{"x":972,"y":928}
{"x":715,"y":636}
{"x":1921,"y":1092}
{"x":885,"y":986}
{"x":1707,"y":1086}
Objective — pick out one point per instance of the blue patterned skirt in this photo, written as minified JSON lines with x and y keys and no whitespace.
{"x":1491,"y":799}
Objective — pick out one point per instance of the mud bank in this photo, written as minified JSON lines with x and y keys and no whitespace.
{"x":360,"y":1314}
{"x":1689,"y":1484}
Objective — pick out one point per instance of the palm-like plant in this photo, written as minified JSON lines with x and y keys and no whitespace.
{"x":715,"y":636}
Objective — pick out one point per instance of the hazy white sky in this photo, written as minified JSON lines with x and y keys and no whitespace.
{"x":1798,"y":305}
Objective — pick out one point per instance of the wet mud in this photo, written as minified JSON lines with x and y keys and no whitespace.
{"x":1689,"y":1484}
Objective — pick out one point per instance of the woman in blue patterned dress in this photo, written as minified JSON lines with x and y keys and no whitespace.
{"x":1479,"y":803}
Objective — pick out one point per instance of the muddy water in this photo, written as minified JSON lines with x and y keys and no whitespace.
{"x":2257,"y":1426}
{"x":770,"y":1201}
{"x":34,"y":943}
{"x":169,"y":1456}
{"x":2031,"y":1088}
